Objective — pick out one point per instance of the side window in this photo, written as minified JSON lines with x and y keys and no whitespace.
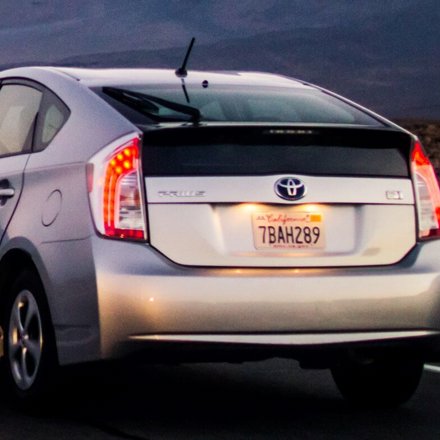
{"x":53,"y":114}
{"x":19,"y":106}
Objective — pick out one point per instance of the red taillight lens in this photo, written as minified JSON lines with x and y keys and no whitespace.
{"x":427,"y":193}
{"x":116,"y":195}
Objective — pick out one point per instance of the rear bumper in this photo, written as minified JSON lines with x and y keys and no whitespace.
{"x":143,"y":300}
{"x":320,"y":350}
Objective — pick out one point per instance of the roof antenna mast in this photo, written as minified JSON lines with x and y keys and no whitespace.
{"x":181,"y":72}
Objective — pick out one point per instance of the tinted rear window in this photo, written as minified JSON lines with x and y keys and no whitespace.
{"x":233,"y":151}
{"x":227,"y":103}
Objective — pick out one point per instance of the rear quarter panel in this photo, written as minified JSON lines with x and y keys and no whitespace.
{"x":52,"y":221}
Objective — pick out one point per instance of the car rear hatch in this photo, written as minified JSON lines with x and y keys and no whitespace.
{"x":279,"y":196}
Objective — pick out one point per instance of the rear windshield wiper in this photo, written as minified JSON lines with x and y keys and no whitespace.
{"x":150,"y":105}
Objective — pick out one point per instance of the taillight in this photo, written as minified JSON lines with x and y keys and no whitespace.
{"x":116,"y":192}
{"x":427,"y":193}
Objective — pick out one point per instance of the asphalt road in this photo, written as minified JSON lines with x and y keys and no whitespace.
{"x":262,"y":400}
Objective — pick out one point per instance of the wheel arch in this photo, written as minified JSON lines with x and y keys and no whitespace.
{"x":11,"y":264}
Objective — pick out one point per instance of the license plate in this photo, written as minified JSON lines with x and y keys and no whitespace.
{"x":281,"y":230}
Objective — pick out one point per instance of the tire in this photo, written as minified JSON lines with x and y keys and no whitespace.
{"x":30,"y":361}
{"x":381,"y":383}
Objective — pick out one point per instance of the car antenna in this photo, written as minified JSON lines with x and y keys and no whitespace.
{"x":181,"y":72}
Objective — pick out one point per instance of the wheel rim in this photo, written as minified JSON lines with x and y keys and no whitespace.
{"x":25,"y":341}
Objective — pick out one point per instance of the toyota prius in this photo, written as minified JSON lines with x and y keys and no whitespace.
{"x":212,"y":216}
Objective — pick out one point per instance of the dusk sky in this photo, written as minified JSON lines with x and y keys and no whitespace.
{"x":385,"y":55}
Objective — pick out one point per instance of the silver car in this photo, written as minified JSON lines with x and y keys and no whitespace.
{"x":220,"y":216}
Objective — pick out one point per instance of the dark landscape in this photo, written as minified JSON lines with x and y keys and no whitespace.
{"x":383,"y":55}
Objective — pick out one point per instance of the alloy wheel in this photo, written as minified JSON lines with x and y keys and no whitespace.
{"x":25,"y":339}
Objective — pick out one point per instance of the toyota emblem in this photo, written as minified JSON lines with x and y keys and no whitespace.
{"x":290,"y":188}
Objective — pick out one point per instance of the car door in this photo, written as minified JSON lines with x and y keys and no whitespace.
{"x":19,"y":105}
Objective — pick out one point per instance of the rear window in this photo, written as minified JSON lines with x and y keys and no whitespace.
{"x":227,"y":103}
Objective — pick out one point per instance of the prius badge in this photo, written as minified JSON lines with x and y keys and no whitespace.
{"x":290,"y":188}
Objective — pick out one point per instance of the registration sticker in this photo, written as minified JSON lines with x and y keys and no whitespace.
{"x":295,"y":230}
